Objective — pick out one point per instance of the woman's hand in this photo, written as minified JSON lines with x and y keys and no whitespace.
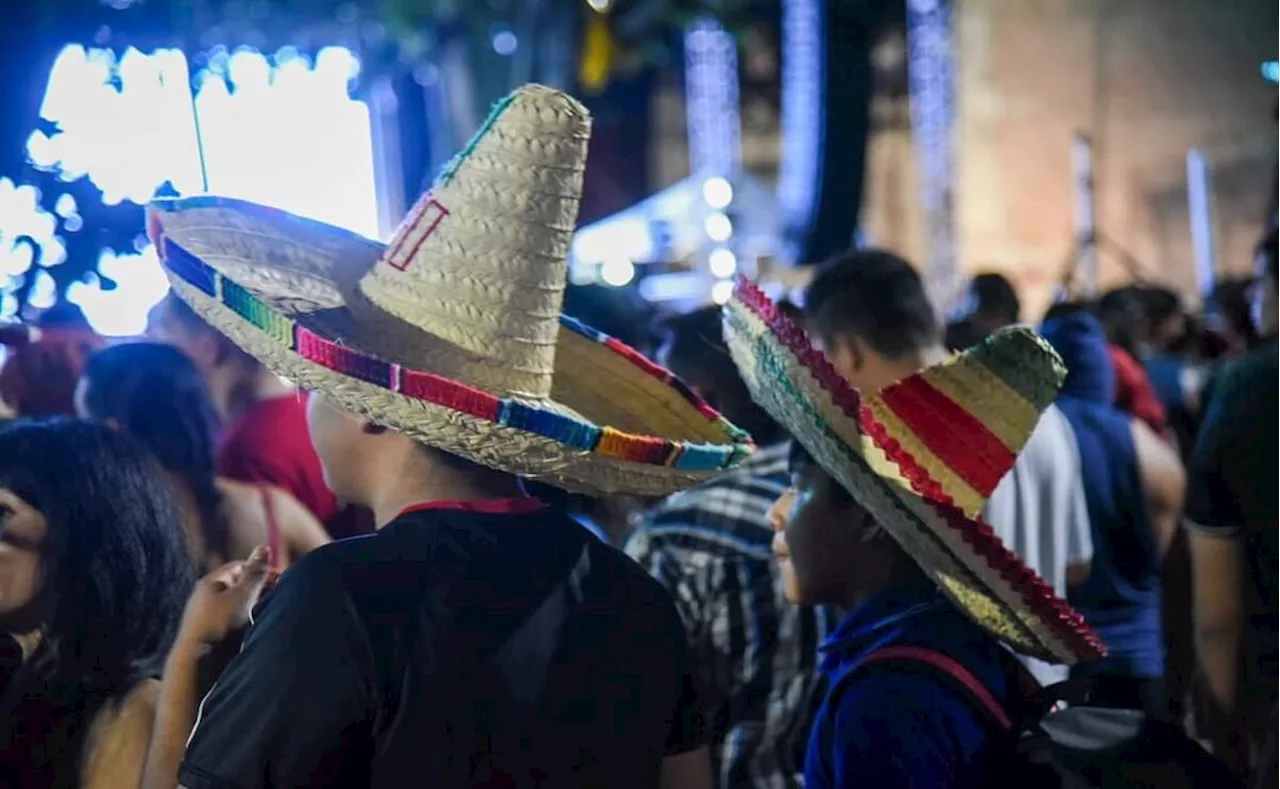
{"x":223,"y":599}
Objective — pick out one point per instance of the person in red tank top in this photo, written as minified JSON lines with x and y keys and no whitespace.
{"x":264,"y":436}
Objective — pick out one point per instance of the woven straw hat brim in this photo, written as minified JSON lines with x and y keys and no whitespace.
{"x":284,"y":289}
{"x":962,"y":555}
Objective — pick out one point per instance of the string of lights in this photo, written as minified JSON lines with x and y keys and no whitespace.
{"x":802,"y":77}
{"x":931,"y":75}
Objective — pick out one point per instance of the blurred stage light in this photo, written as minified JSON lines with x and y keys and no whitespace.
{"x":287,"y":135}
{"x":723,"y":263}
{"x":1271,"y":70}
{"x":617,"y":272}
{"x":718,"y":227}
{"x":721,"y":291}
{"x":717,"y":192}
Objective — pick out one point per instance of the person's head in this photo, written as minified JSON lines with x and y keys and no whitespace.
{"x":154,"y":392}
{"x":1123,"y":316}
{"x":363,"y":460}
{"x":618,"y":312}
{"x":694,"y":349}
{"x":1079,"y":339}
{"x":38,"y":378}
{"x":869,"y":312}
{"x":1266,"y":302}
{"x":1166,"y":320}
{"x":963,"y":333}
{"x":995,"y":302}
{"x":222,"y":365}
{"x":829,"y":549}
{"x":91,"y":554}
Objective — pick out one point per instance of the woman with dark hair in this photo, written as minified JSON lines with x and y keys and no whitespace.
{"x":93,"y":580}
{"x":156,"y":394}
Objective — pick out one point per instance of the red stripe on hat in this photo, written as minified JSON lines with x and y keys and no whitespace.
{"x":951,"y":432}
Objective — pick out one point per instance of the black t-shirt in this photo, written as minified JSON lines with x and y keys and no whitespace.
{"x":1232,"y":490}
{"x":459,"y":646}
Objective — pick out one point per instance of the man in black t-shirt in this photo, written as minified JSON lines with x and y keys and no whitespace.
{"x":479,"y":638}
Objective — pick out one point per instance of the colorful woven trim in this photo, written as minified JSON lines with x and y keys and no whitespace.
{"x":438,"y":390}
{"x":1036,"y":595}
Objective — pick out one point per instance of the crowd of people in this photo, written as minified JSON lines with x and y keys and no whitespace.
{"x":366,"y":515}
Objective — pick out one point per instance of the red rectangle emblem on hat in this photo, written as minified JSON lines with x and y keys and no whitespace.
{"x":426,"y":217}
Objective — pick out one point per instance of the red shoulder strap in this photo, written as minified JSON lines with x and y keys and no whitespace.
{"x":951,"y":668}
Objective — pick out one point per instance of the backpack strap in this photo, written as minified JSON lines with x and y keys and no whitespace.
{"x":939,"y":662}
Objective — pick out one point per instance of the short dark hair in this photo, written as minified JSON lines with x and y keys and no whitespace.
{"x":115,"y":578}
{"x":1064,"y":308}
{"x":995,"y":298}
{"x":696,"y":352}
{"x":157,"y":395}
{"x":875,"y":296}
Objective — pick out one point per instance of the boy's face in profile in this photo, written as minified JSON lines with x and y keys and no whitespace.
{"x":820,"y":536}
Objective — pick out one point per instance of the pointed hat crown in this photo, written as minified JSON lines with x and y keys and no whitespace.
{"x":481,"y":260}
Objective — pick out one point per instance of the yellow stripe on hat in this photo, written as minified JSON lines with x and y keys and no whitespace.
{"x":970,"y":384}
{"x":964,"y":496}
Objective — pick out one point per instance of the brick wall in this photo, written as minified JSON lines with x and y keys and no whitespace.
{"x":1147,"y":79}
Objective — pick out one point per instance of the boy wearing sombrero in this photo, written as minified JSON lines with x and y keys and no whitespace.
{"x":479,"y":638}
{"x":881,"y":519}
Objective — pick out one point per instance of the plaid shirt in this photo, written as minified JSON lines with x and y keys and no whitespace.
{"x":710,"y":546}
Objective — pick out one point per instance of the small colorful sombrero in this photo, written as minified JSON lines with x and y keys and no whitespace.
{"x":922,"y":456}
{"x":452,"y":333}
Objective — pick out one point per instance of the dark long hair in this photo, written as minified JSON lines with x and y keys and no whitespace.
{"x":115,"y":577}
{"x":155,"y":393}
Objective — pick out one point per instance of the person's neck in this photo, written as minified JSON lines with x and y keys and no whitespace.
{"x":911,"y":363}
{"x":256,"y":385}
{"x":409,"y":489}
{"x":892,"y":573}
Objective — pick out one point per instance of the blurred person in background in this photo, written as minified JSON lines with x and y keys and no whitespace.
{"x":1232,"y":519}
{"x":93,"y":578}
{"x":263,"y":437}
{"x":1120,"y":314}
{"x":869,"y":311}
{"x":154,"y":393}
{"x":1133,"y":486}
{"x":995,"y":302}
{"x":991,"y":303}
{"x":43,"y":365}
{"x":710,"y":547}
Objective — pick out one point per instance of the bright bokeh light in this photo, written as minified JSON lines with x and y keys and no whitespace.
{"x":722,"y":262}
{"x":718,"y":193}
{"x":282,"y":132}
{"x":722,"y":291}
{"x":139,"y":280}
{"x":627,"y":237}
{"x":617,"y":272}
{"x":718,"y":227}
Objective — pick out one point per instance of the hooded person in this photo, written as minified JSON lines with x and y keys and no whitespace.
{"x":882,"y":520}
{"x":480,"y":637}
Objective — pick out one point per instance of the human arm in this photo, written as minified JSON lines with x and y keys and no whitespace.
{"x":1215,"y":522}
{"x":119,"y":739}
{"x":688,"y":770}
{"x":1164,"y":483}
{"x":296,"y":699}
{"x":219,"y":605}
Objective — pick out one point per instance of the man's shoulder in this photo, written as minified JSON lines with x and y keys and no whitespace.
{"x":1258,"y":369}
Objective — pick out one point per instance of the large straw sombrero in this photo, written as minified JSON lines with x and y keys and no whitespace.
{"x":452,"y":333}
{"x":922,"y":457}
